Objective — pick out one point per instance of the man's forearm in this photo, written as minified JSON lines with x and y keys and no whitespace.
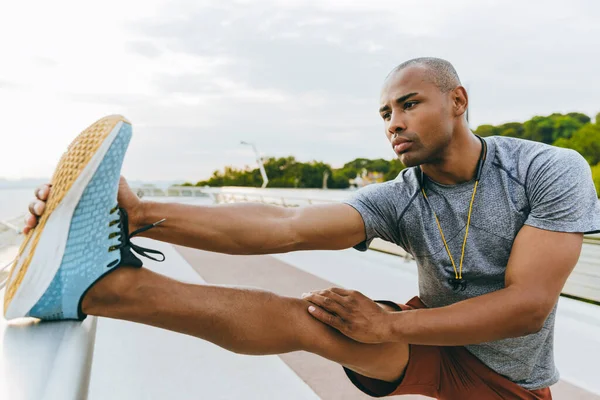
{"x":232,"y":229}
{"x":498,"y":315}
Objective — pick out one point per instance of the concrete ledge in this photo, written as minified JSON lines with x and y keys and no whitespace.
{"x":40,"y":361}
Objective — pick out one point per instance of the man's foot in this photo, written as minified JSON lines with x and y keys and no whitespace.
{"x":82,"y":235}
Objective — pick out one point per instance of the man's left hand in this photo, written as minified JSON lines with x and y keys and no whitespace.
{"x":351,"y":313}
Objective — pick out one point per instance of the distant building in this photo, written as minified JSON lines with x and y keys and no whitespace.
{"x":366,"y":178}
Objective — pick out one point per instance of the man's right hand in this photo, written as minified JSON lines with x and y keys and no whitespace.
{"x":126,"y":199}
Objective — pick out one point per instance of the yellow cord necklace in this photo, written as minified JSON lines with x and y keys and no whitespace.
{"x":458,"y":281}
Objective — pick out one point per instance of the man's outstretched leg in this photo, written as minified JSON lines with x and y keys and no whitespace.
{"x":79,"y":260}
{"x":246,"y":321}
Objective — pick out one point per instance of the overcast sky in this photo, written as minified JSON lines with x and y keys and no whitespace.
{"x":296,"y":77}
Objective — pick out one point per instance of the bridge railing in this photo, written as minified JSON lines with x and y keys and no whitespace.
{"x":41,"y":361}
{"x":584,"y":282}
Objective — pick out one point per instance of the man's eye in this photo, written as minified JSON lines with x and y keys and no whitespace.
{"x":386,"y":116}
{"x":409,"y":104}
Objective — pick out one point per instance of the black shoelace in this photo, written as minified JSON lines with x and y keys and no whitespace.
{"x":125,"y":236}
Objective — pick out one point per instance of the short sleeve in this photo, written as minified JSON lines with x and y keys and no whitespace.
{"x":561,"y":193}
{"x":378,"y":205}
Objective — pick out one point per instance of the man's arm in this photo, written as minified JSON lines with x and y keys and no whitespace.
{"x":234,"y":229}
{"x":539,"y":265}
{"x":255,"y":228}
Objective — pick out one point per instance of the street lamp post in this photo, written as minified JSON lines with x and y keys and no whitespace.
{"x":263,"y":173}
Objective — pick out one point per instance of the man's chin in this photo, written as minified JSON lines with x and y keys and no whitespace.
{"x":409,"y":160}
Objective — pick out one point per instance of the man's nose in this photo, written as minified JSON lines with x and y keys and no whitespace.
{"x":397,"y":124}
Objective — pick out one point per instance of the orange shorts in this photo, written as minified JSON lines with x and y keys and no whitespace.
{"x":445,"y":373}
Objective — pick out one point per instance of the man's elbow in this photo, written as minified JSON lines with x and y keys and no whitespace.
{"x":532,"y":326}
{"x":535,"y":320}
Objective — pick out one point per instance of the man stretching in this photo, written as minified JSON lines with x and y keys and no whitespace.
{"x":495,"y":225}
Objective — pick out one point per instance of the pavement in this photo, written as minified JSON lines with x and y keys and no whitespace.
{"x":133,"y":361}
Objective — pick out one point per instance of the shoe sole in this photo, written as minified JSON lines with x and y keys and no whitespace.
{"x":41,"y":253}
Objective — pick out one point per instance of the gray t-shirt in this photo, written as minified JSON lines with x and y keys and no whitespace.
{"x":522,"y":183}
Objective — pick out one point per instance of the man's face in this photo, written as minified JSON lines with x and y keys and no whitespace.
{"x":419,"y":114}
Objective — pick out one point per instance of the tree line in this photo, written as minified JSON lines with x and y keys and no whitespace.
{"x":573,"y":130}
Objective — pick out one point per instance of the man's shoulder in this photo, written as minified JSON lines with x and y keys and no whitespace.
{"x":524,"y":158}
{"x":506,"y":145}
{"x":406,"y":182}
{"x":514,"y":147}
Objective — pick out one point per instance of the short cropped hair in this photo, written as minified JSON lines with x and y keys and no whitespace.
{"x":439,"y":72}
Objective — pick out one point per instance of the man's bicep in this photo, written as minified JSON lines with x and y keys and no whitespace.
{"x":327,"y":227}
{"x":540,"y":263}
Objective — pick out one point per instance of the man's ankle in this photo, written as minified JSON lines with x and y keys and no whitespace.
{"x":148,"y":212}
{"x":109,"y":291}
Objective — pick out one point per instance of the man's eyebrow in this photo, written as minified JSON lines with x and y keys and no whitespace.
{"x":402,"y":99}
{"x":399,"y":100}
{"x":384,"y":108}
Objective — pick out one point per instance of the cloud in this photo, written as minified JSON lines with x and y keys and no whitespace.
{"x":145,"y":48}
{"x":8,"y":85}
{"x":297,"y":77}
{"x":344,"y":49}
{"x":322,"y":64}
{"x":284,"y":49}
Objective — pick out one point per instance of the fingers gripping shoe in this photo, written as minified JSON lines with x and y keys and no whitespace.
{"x":83,"y":234}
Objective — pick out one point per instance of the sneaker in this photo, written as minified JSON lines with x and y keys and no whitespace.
{"x":83,"y":234}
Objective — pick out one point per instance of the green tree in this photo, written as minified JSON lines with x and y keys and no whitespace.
{"x":486,"y":130}
{"x":539,"y":129}
{"x":287,"y":172}
{"x":312,"y":174}
{"x":565,"y":126}
{"x":396,"y":167}
{"x":572,"y":130}
{"x":582,"y":118}
{"x":586,"y":141}
{"x":338,"y":180}
{"x":546,"y":129}
{"x":596,"y":177}
{"x":512,"y":129}
{"x":378,"y":165}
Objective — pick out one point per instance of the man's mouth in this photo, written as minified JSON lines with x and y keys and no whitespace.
{"x":401,"y":145}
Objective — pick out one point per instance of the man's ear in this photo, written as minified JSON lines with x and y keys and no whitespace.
{"x":460,"y":101}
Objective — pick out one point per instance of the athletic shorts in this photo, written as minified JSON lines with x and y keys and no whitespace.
{"x":445,"y":373}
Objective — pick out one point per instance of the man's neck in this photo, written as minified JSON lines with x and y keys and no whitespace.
{"x":459,"y":162}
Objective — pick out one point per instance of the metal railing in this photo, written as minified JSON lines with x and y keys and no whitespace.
{"x":41,"y":361}
{"x":10,"y":237}
{"x":583,"y":283}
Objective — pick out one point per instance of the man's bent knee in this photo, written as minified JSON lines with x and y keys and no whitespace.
{"x":384,"y":361}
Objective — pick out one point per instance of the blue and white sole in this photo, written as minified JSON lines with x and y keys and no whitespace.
{"x":42,"y":252}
